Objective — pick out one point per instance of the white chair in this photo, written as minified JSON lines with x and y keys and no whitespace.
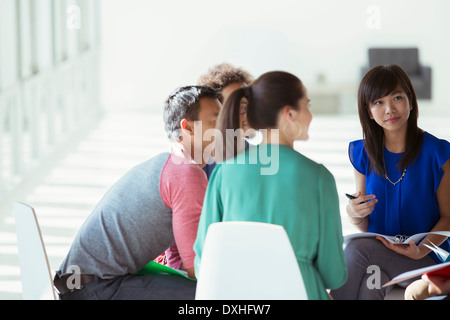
{"x":248,"y":261}
{"x":37,"y":283}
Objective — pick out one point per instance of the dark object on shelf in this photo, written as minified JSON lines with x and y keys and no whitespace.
{"x":408,"y":59}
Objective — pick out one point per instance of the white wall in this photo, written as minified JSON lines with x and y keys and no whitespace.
{"x":151,"y":47}
{"x":8,"y":44}
{"x":43,"y":33}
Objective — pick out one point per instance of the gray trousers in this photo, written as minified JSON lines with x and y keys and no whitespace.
{"x":370,"y":265}
{"x":136,"y":287}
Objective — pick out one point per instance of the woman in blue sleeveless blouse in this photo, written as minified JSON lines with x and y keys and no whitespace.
{"x":403,"y":184}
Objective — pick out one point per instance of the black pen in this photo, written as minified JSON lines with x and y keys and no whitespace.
{"x":350,"y":196}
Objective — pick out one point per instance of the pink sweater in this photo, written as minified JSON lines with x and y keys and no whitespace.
{"x":183,"y":186}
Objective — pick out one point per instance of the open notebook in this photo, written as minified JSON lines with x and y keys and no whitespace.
{"x":442,"y":269}
{"x":395,"y":239}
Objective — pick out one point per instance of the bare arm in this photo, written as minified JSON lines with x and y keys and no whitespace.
{"x":359,"y":209}
{"x":443,"y":197}
{"x":191,"y":272}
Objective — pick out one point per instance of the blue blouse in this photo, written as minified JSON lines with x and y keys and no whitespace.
{"x":411,"y":206}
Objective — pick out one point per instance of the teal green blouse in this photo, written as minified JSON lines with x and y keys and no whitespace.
{"x":275,"y":184}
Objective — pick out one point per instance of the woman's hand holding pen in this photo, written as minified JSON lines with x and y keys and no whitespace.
{"x":360,"y":206}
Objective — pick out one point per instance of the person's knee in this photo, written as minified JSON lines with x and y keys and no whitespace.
{"x":418,"y":290}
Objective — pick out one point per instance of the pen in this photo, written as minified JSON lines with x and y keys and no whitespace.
{"x":350,"y":196}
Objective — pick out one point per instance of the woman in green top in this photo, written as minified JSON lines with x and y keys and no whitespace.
{"x":273,"y":183}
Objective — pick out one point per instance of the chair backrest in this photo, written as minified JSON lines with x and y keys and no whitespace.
{"x":37,"y":283}
{"x":248,"y":261}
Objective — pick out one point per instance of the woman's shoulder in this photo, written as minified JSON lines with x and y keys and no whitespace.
{"x":435,"y":153}
{"x":358,"y":156}
{"x":358,"y":144}
{"x":299,"y":157}
{"x":316,"y":168}
{"x":434,"y":142}
{"x":356,"y":148}
{"x":436,"y":146}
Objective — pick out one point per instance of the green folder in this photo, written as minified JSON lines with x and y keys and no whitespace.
{"x":155,"y":268}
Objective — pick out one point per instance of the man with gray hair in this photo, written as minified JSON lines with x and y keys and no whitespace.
{"x":156,"y":205}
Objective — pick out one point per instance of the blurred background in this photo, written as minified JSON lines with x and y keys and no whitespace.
{"x":82,"y":84}
{"x":149,"y":47}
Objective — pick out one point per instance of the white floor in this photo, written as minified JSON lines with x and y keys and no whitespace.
{"x":127,"y":137}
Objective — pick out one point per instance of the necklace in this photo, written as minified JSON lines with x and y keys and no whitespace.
{"x":387,"y":178}
{"x":395,"y":183}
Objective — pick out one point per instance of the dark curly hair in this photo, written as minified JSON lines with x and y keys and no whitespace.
{"x":184,"y":103}
{"x":220,"y":76}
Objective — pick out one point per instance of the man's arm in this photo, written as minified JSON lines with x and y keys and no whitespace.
{"x":187,"y":185}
